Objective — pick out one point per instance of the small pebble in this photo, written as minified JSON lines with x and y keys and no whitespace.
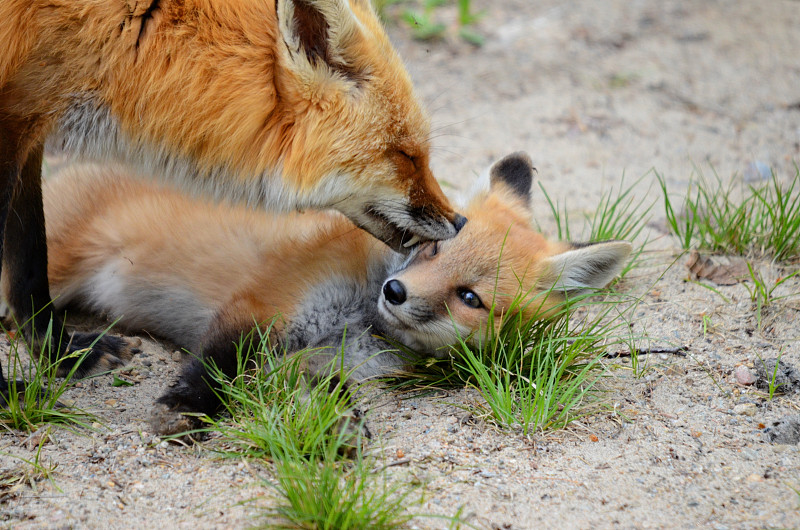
{"x":675,"y":369}
{"x":745,"y":409}
{"x":744,"y":376}
{"x":176,"y":356}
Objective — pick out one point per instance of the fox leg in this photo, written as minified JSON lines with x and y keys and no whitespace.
{"x":196,"y":390}
{"x":24,"y":264}
{"x":9,"y":174}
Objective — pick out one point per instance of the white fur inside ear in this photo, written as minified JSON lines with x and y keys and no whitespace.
{"x":286,"y":25}
{"x":342,"y":28}
{"x":592,"y":267}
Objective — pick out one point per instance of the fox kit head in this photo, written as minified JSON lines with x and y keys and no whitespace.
{"x":359,"y":140}
{"x":447,"y":289}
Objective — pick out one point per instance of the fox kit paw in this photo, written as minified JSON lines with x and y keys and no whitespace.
{"x":107,"y":353}
{"x":170,"y":421}
{"x":354,"y":432}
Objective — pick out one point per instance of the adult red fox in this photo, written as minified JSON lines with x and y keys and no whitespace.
{"x":201,"y":274}
{"x":282,"y":104}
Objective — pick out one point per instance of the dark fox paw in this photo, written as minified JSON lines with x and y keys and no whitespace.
{"x":166,"y":420}
{"x":353,"y":431}
{"x":107,"y":353}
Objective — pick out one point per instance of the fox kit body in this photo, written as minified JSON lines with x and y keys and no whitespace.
{"x":281,"y":104}
{"x":202,"y":274}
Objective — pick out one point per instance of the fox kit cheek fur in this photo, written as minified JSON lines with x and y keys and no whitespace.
{"x":280,"y":104}
{"x":201,"y":274}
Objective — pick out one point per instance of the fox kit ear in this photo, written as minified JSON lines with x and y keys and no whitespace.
{"x":516,"y":172}
{"x":582,"y":269}
{"x":316,"y":33}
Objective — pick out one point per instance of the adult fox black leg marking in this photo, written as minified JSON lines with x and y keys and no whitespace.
{"x":24,"y":265}
{"x":9,"y":175}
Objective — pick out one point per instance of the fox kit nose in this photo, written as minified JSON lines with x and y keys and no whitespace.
{"x":394,"y":292}
{"x":458,"y":222}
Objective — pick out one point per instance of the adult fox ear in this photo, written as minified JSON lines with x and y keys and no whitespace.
{"x":585,"y":268}
{"x":515,"y":172}
{"x":318,"y":34}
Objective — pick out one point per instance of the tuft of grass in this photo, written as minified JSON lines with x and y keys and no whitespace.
{"x":30,"y":473}
{"x":273,"y":406}
{"x":303,"y":425}
{"x":538,"y":374}
{"x":619,"y":215}
{"x":424,"y":19}
{"x":760,"y":221}
{"x":424,"y":24}
{"x":708,"y":325}
{"x":466,"y":19}
{"x":773,"y":385}
{"x":328,"y":493}
{"x":761,"y":293}
{"x":34,"y":389}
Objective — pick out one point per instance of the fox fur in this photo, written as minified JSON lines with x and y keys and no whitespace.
{"x":279,"y":104}
{"x":201,"y":274}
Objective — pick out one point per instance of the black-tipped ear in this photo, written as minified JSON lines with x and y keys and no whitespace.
{"x":515,"y":171}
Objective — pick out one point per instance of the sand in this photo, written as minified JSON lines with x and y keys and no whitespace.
{"x":593,"y":90}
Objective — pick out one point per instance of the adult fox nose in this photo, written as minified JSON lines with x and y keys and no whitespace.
{"x":395,"y":292}
{"x":458,"y":222}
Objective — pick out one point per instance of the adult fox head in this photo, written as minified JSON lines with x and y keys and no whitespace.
{"x":279,"y":103}
{"x":360,"y":140}
{"x":448,"y":288}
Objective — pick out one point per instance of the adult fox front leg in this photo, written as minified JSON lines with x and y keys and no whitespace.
{"x":24,"y":253}
{"x":287,"y":104}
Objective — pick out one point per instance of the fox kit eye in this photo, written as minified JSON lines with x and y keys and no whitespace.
{"x":470,"y":298}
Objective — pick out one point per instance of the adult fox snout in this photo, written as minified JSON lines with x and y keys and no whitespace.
{"x":403,"y":227}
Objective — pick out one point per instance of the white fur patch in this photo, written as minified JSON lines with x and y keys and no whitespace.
{"x":135,"y":302}
{"x":105,"y":290}
{"x":88,"y":130}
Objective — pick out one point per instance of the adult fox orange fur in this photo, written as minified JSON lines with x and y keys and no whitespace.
{"x":201,"y":274}
{"x":283,"y":104}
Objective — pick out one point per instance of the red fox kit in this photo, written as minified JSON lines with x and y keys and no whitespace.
{"x":281,"y":104}
{"x":201,"y":274}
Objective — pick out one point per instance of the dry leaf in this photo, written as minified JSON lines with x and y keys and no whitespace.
{"x":721,"y":270}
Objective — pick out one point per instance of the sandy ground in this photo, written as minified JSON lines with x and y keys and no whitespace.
{"x":592,"y":90}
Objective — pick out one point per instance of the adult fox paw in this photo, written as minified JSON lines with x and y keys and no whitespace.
{"x":106,"y":353}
